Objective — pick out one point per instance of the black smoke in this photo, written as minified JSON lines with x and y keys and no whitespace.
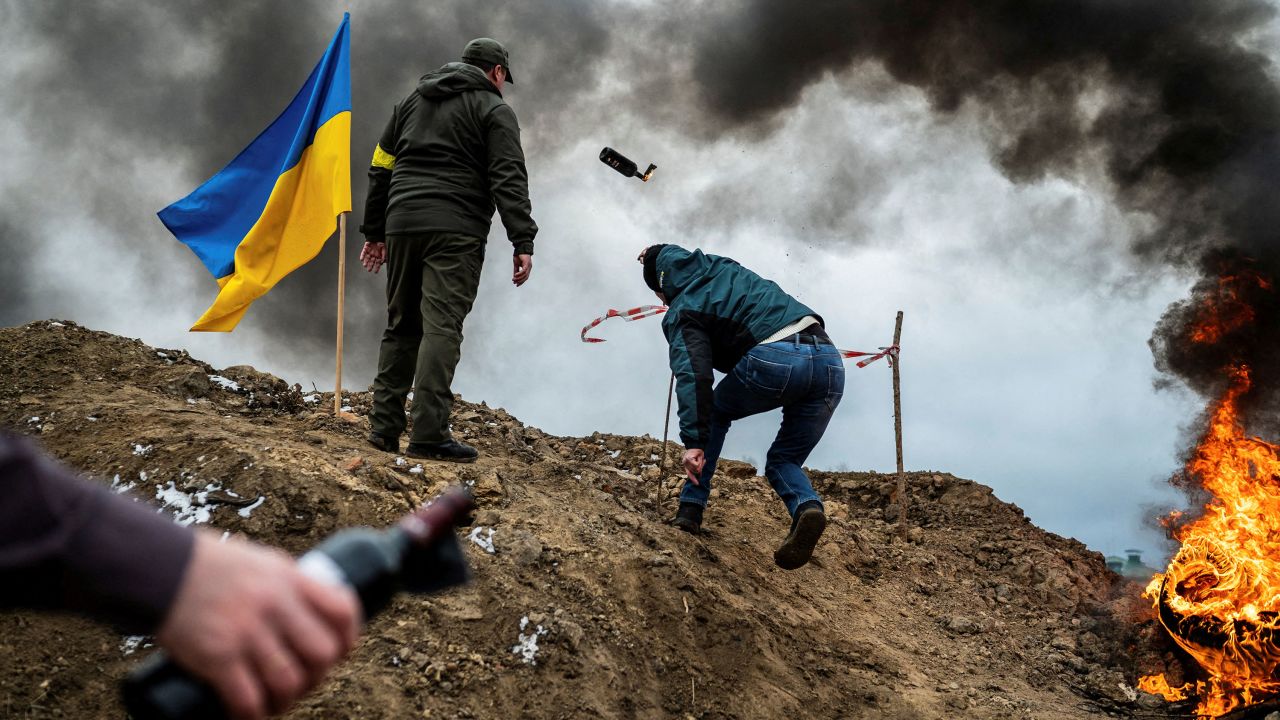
{"x":1165,"y":99}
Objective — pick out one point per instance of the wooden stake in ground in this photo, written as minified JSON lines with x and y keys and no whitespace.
{"x":895,"y":360}
{"x":666,"y":427}
{"x":342,"y":304}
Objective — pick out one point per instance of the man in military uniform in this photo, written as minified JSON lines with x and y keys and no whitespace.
{"x":450,"y":153}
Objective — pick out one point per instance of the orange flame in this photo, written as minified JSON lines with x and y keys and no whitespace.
{"x":1226,"y":310}
{"x":1158,"y":685}
{"x":1220,"y":596}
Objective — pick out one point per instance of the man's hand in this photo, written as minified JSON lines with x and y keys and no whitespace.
{"x":523,"y":268}
{"x":373,"y":255}
{"x":248,"y":622}
{"x":693,"y":462}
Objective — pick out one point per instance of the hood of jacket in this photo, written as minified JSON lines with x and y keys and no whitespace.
{"x":454,"y":78}
{"x":678,"y":269}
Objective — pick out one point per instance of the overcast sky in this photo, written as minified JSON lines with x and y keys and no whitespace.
{"x":1025,"y":363}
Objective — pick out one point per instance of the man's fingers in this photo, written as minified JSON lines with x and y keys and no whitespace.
{"x":240,"y":693}
{"x":372,"y":256}
{"x":338,"y":607}
{"x":278,"y":669}
{"x":522,"y":265}
{"x":313,"y":642}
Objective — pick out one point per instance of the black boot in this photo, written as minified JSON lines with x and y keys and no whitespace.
{"x":384,"y":443}
{"x":449,"y":451}
{"x":806,"y":527}
{"x":689,"y":517}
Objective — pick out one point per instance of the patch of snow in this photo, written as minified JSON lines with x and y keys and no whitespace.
{"x":161,"y":355}
{"x":120,"y":487}
{"x":191,"y":401}
{"x":577,"y":477}
{"x":56,"y":324}
{"x":485,"y":543}
{"x":346,"y":408}
{"x":615,"y":453}
{"x":527,"y":645}
{"x":141,"y":450}
{"x":491,"y":423}
{"x":401,"y":462}
{"x":225,"y":383}
{"x":312,"y":398}
{"x":131,"y":643}
{"x":416,"y":469}
{"x":200,"y":459}
{"x":225,"y":534}
{"x":34,"y":419}
{"x":245,"y":511}
{"x":91,"y":418}
{"x":187,"y":508}
{"x":653,"y":456}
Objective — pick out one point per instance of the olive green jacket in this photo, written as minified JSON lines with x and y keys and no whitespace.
{"x":450,"y":154}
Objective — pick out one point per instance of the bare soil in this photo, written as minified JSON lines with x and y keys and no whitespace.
{"x":974,"y":613}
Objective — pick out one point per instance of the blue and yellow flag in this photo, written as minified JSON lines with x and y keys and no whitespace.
{"x":272,"y":208}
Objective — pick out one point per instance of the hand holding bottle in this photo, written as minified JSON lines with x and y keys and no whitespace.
{"x":251,"y":630}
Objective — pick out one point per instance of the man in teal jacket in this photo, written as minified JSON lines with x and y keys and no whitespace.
{"x":776,"y":354}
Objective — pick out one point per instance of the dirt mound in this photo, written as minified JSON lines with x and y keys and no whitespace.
{"x":585,"y":602}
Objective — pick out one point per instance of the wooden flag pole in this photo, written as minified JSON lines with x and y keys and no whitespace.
{"x":342,"y":305}
{"x":896,"y":359}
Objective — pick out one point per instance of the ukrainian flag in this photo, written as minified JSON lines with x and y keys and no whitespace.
{"x":272,"y":208}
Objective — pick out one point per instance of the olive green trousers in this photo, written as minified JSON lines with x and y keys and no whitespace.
{"x":431,"y":285}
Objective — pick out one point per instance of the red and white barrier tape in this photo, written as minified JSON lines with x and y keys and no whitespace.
{"x":644,"y":311}
{"x":890,"y":352}
{"x":635,"y":313}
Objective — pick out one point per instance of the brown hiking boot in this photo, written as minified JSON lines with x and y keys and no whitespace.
{"x":806,"y":528}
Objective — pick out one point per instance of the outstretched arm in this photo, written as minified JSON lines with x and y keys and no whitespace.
{"x":383,"y":164}
{"x":690,"y":357}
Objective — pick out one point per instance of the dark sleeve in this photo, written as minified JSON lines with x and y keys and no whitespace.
{"x":69,"y":544}
{"x":508,"y":179}
{"x":380,"y":168}
{"x":690,"y":350}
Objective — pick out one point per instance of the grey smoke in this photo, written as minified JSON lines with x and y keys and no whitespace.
{"x":175,"y":83}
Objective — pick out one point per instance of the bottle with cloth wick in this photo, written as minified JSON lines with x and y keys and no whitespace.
{"x":625,"y":165}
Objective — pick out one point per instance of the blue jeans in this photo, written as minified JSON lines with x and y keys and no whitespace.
{"x":806,"y":382}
